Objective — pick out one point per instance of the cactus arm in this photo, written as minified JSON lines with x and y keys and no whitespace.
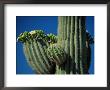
{"x":39,"y":56}
{"x":38,"y":59}
{"x":28,"y":58}
{"x":44,"y":55}
{"x":37,"y":66}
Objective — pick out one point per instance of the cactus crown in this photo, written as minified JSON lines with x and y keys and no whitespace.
{"x":51,"y":38}
{"x":23,"y":37}
{"x":37,"y":35}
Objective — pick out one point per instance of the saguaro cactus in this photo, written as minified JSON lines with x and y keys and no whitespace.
{"x":72,"y":37}
{"x":68,"y":53}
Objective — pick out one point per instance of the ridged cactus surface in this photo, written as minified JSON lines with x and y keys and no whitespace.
{"x":56,"y":54}
{"x":67,"y":53}
{"x":34,"y":46}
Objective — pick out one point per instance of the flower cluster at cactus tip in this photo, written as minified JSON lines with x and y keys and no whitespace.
{"x":37,"y":35}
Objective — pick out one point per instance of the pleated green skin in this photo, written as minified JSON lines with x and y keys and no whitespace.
{"x":72,"y":37}
{"x":37,"y":57}
{"x":56,"y":54}
{"x":77,"y":55}
{"x":82,"y":40}
{"x":72,"y":46}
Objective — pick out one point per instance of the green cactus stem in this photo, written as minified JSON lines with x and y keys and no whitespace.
{"x":34,"y":47}
{"x":67,"y":53}
{"x":72,"y":46}
{"x":56,"y":54}
{"x":71,"y":36}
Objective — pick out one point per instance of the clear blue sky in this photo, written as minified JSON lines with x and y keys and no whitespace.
{"x":49,"y":25}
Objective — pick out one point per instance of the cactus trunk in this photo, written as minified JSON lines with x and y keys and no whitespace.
{"x":71,"y":33}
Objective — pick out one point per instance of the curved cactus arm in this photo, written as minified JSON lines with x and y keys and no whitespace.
{"x":36,"y":65}
{"x":29,"y":59}
{"x":44,"y":55}
{"x":37,"y":59}
{"x":40,"y":57}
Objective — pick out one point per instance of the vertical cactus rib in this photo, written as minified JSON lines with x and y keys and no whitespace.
{"x":77,"y":44}
{"x":62,"y":27}
{"x":67,"y":45}
{"x":65,"y":29}
{"x":59,"y":29}
{"x":72,"y":49}
{"x":81,"y":45}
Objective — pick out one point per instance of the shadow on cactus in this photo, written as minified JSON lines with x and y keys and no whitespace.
{"x":67,"y":53}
